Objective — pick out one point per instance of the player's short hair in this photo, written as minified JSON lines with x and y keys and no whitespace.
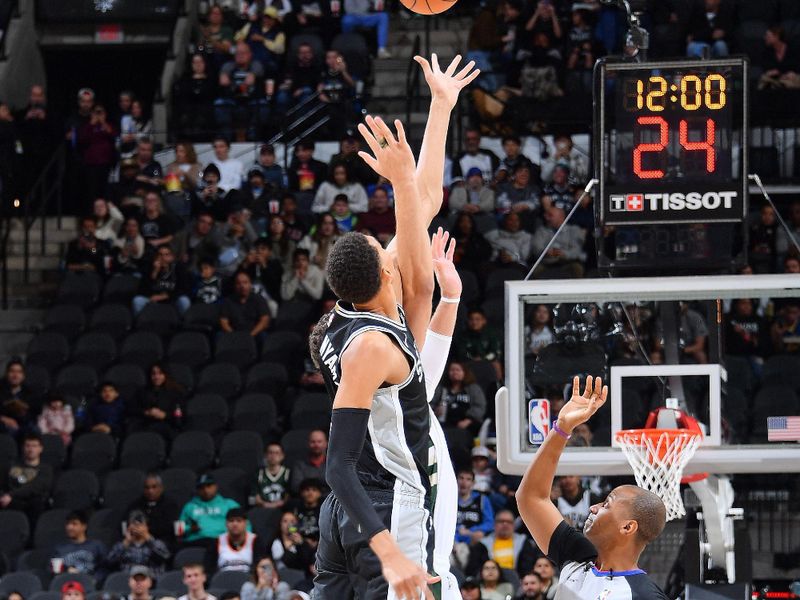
{"x":315,"y":339}
{"x":354,"y":269}
{"x":649,"y":512}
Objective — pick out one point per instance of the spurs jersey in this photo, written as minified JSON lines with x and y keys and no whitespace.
{"x":398,"y":448}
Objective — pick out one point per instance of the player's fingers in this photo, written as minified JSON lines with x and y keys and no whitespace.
{"x":368,"y":158}
{"x":598,"y":386}
{"x":401,"y":132}
{"x":469,"y":78}
{"x":426,"y":66}
{"x":435,"y":63}
{"x":465,"y":70}
{"x":576,"y":386}
{"x":384,"y":131}
{"x":451,"y":68}
{"x":428,"y":593}
{"x":451,"y":250}
{"x":604,"y":394}
{"x":587,"y":393}
{"x":369,"y":136}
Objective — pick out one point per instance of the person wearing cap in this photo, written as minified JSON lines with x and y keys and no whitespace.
{"x":475,"y":198}
{"x":256,"y":195}
{"x":79,"y":554}
{"x":138,"y":548}
{"x":273,"y":172}
{"x":73,"y":590}
{"x":237,"y":549}
{"x":266,"y":39}
{"x":140,"y":583}
{"x":204,"y":515}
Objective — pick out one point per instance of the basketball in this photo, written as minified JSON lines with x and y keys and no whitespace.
{"x":428,"y":7}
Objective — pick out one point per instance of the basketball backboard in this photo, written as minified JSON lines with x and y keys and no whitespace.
{"x":598,"y":316}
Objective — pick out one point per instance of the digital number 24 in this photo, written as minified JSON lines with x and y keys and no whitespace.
{"x":706,"y":145}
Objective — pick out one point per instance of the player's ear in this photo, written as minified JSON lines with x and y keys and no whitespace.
{"x":629,"y":527}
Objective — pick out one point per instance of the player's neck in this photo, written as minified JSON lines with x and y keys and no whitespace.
{"x":618,"y":560}
{"x":380,"y":306}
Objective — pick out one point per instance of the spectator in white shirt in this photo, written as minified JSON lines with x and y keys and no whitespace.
{"x":305,"y":282}
{"x":340,"y":184}
{"x":231,"y":170}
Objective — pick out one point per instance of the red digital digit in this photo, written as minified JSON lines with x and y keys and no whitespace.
{"x":706,"y":145}
{"x":650,"y":147}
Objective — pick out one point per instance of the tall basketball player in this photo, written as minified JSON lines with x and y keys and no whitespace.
{"x":601,"y":562}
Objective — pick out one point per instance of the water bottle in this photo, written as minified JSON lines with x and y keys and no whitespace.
{"x":177,"y":415}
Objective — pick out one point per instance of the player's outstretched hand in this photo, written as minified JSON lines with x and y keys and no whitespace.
{"x":446,"y":85}
{"x":581,"y":407}
{"x":408,"y":580}
{"x":391,"y":156}
{"x":446,"y":274}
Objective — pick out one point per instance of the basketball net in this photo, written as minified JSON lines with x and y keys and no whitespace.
{"x":658,"y":457}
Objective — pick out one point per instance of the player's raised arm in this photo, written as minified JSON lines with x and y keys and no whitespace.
{"x":538,"y":513}
{"x":392,"y":158}
{"x":445,"y":87}
{"x":361,"y":377}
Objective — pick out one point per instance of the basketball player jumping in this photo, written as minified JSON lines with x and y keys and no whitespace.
{"x":603,"y":561}
{"x":381,"y":459}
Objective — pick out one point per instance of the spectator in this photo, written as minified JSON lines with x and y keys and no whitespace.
{"x":237,"y":549}
{"x":194,"y":578}
{"x":82,"y":116}
{"x":710,"y":26}
{"x":37,"y":131}
{"x":129,"y":249}
{"x":134,"y":127}
{"x":301,"y":80}
{"x":565,"y":257}
{"x":512,"y":245}
{"x":168,"y":282}
{"x":305,"y":282}
{"x":357,"y":169}
{"x":71,"y":590}
{"x":569,"y":156}
{"x":478,"y":342}
{"x":271,"y":485}
{"x":475,"y":514}
{"x":297,"y":225}
{"x":280,"y":244}
{"x":310,"y":16}
{"x":745,"y":333}
{"x":87,"y":253}
{"x":785,"y":246}
{"x":546,"y":570}
{"x":26,"y":485}
{"x":194,"y":93}
{"x":493,"y":583}
{"x":204,"y":514}
{"x":573,"y":500}
{"x":216,"y":37}
{"x":559,"y":192}
{"x":274,"y":174}
{"x":340,"y":210}
{"x":781,"y":63}
{"x":337,"y":89}
{"x":540,"y":334}
{"x":692,"y":332}
{"x":379,"y":220}
{"x":156,"y":227}
{"x":265,"y":271}
{"x":363,"y":14}
{"x":508,"y":549}
{"x":161,"y":512}
{"x":108,"y":219}
{"x":127,"y":192}
{"x":244,"y":310}
{"x":256,"y":196}
{"x":313,"y":465}
{"x":473,"y":156}
{"x":265,"y":583}
{"x":57,"y":419}
{"x":266,"y":39}
{"x":139,"y":549}
{"x":289,"y":549}
{"x":97,"y":142}
{"x":459,"y":401}
{"x":237,"y":232}
{"x":16,"y":399}
{"x":150,"y":170}
{"x":545,"y":20}
{"x":158,"y":407}
{"x":185,"y":166}
{"x":531,"y":587}
{"x":512,"y":146}
{"x":340,"y":184}
{"x":306,"y":173}
{"x":472,"y":249}
{"x":241,"y":82}
{"x":107,"y":412}
{"x":785,"y":330}
{"x":321,"y":239}
{"x":200,"y":241}
{"x":474,"y":198}
{"x":485,"y":475}
{"x":231,"y":170}
{"x":763,"y":241}
{"x":211,"y":197}
{"x":307,"y":508}
{"x":140,"y":583}
{"x":80,"y":554}
{"x":580,"y":52}
{"x":208,"y":289}
{"x":470,"y":589}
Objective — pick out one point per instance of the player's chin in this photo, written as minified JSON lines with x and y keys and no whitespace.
{"x":587,"y":526}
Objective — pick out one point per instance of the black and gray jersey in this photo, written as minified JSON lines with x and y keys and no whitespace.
{"x":398,"y":447}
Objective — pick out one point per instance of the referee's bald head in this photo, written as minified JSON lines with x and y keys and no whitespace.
{"x":648,"y":511}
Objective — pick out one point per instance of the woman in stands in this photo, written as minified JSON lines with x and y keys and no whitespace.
{"x":472,"y":249}
{"x":459,"y":401}
{"x":194,"y":94}
{"x":159,"y":407}
{"x":321,"y":239}
{"x":185,"y":166}
{"x":282,"y":247}
{"x":109,"y":218}
{"x":493,"y":584}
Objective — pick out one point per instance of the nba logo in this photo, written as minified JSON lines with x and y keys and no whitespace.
{"x":538,"y":420}
{"x":634,"y":202}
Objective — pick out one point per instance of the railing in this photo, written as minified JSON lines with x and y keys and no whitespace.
{"x":298,"y":122}
{"x":8,"y":8}
{"x":413,"y":80}
{"x":5,"y":231}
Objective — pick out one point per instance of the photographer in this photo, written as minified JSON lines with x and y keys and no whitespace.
{"x":168,"y":282}
{"x":138,"y":548}
{"x":290,"y":549}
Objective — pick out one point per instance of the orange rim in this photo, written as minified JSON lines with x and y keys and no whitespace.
{"x":654,"y":434}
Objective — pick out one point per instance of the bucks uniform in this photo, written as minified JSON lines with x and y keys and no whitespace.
{"x":397,"y":467}
{"x":272,"y":488}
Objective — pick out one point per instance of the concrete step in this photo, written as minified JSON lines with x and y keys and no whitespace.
{"x":51,"y":248}
{"x":35,"y":263}
{"x":35,"y":235}
{"x":21,"y":319}
{"x":438,"y":37}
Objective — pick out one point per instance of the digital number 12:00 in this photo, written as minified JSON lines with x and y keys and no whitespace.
{"x":692,"y":93}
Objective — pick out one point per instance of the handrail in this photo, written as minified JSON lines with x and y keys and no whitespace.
{"x":6,"y":225}
{"x":412,"y":79}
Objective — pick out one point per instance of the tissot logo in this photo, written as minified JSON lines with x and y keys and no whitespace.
{"x":675,"y":201}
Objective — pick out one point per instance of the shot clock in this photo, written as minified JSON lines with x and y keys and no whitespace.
{"x":670,"y":142}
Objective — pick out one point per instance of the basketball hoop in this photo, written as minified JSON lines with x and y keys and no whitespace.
{"x":658,"y":457}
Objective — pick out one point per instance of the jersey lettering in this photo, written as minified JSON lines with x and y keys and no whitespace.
{"x":329,"y":358}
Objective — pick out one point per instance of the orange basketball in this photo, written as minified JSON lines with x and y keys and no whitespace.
{"x":428,"y":7}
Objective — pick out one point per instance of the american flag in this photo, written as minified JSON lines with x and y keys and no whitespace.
{"x":783,"y":429}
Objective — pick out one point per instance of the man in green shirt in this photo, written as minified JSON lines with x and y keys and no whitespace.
{"x":204,"y":515}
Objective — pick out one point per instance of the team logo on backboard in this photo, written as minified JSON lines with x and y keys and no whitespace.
{"x":538,"y":420}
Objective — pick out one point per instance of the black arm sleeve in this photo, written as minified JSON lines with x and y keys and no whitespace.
{"x":348,"y":433}
{"x":569,"y":545}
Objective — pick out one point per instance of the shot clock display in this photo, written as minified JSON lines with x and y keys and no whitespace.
{"x":670,"y":144}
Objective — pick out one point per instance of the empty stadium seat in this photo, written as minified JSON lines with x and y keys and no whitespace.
{"x":291,"y":576}
{"x":295,"y":444}
{"x":76,"y":381}
{"x":183,"y":376}
{"x":206,"y":412}
{"x":233,"y":483}
{"x":22,"y":582}
{"x":113,"y":319}
{"x":48,"y":349}
{"x":179,"y":484}
{"x":283,"y":347}
{"x":122,"y":487}
{"x":265,"y":522}
{"x":192,"y":450}
{"x":76,"y":489}
{"x":235,"y":347}
{"x":220,"y":378}
{"x":14,"y":532}
{"x":54,"y":452}
{"x":80,"y":288}
{"x":267,"y":378}
{"x":189,"y":348}
{"x":68,"y":320}
{"x":202,"y":317}
{"x":104,"y":525}
{"x":243,"y":449}
{"x":37,"y":378}
{"x":782,"y":368}
{"x":95,"y":348}
{"x":293,"y":316}
{"x":189,"y":555}
{"x":230,"y":581}
{"x":49,"y":530}
{"x":771,"y":401}
{"x":128,"y":379}
{"x":94,"y":451}
{"x":87,"y":581}
{"x":120,"y":289}
{"x":117,"y":583}
{"x":8,"y":449}
{"x":143,"y":450}
{"x":142,"y":348}
{"x":255,"y":412}
{"x":159,"y":318}
{"x":172,"y":581}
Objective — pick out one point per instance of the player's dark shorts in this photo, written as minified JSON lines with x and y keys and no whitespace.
{"x":346,"y":566}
